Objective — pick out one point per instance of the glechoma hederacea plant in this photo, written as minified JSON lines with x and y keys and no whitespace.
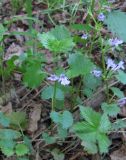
{"x":77,"y":50}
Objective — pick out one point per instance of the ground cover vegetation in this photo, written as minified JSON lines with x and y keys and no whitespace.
{"x":62,"y":80}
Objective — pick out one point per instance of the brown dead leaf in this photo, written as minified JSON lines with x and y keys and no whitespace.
{"x":35,"y":116}
{"x":13,"y":50}
{"x":119,"y":154}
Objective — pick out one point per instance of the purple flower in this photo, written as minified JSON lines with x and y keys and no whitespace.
{"x":53,"y":77}
{"x":114,"y":42}
{"x":120,"y":65}
{"x":114,"y":67}
{"x":97,"y":73}
{"x":63,"y":80}
{"x":84,"y":36}
{"x":122,"y":102}
{"x":111,"y":64}
{"x":101,"y":17}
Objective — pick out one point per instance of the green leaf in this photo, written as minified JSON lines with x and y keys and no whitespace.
{"x":121,"y":76}
{"x":7,"y":151}
{"x":105,"y":124}
{"x":117,"y":92}
{"x":33,"y":76}
{"x":57,"y":154}
{"x":62,"y":133}
{"x":110,"y":109}
{"x":116,"y":22}
{"x":21,"y":149}
{"x":10,"y":66}
{"x":67,"y":119}
{"x":79,"y":65}
{"x":93,"y":132}
{"x":61,"y":118}
{"x":85,"y":131}
{"x":61,"y":46}
{"x":90,"y":84}
{"x":28,"y":143}
{"x":5,"y":143}
{"x":4,"y":121}
{"x":56,"y":117}
{"x":58,"y":40}
{"x":9,"y":134}
{"x":7,"y":147}
{"x":48,"y":92}
{"x":48,"y":139}
{"x":60,"y":32}
{"x":18,"y":118}
{"x":87,"y":92}
{"x":103,"y":143}
{"x":45,"y":38}
{"x":90,"y":116}
{"x":119,"y":124}
{"x":59,"y":105}
{"x":90,"y":147}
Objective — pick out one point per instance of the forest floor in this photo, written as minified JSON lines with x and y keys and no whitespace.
{"x":16,"y":97}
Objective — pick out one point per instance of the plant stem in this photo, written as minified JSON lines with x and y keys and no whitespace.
{"x":107,"y":90}
{"x":2,"y":70}
{"x":104,"y":69}
{"x":28,"y":7}
{"x":77,"y":92}
{"x":64,"y":3}
{"x":92,"y":6}
{"x":79,"y":86}
{"x":54,"y":97}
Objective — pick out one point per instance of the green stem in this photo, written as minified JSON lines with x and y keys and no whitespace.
{"x":92,"y":6}
{"x":74,"y":93}
{"x":54,"y":97}
{"x":28,"y":7}
{"x":2,"y":70}
{"x":107,"y":90}
{"x":77,"y":92}
{"x":104,"y":69}
{"x":64,"y":3}
{"x":79,"y":86}
{"x":111,"y":99}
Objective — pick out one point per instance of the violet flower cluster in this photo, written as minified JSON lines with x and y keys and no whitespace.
{"x":113,"y":66}
{"x":122,"y":102}
{"x":84,"y":36}
{"x":101,"y":17}
{"x":96,"y":73}
{"x":62,"y":79}
{"x":115,"y":42}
